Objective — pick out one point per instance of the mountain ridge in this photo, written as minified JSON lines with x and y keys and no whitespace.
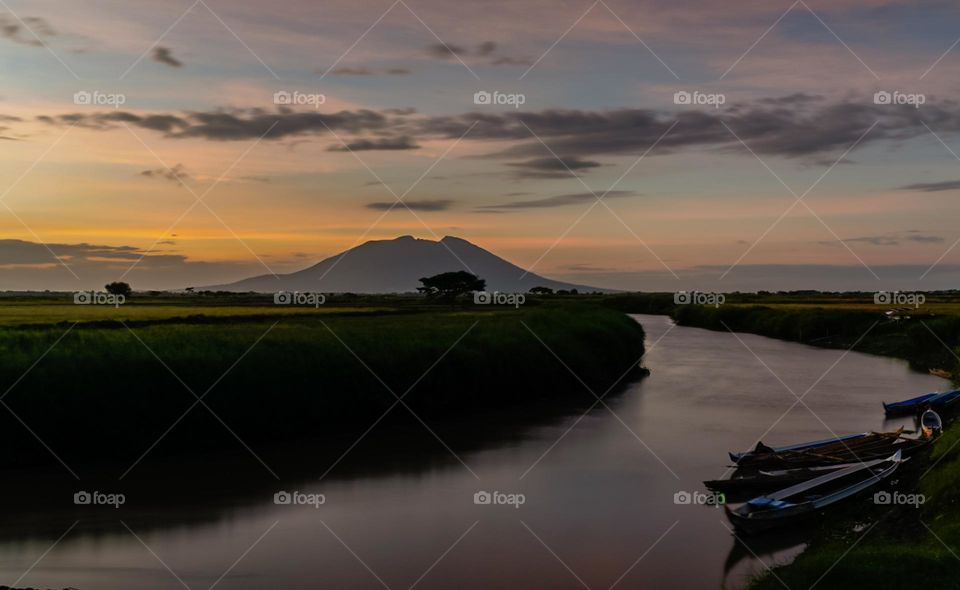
{"x":396,"y":266}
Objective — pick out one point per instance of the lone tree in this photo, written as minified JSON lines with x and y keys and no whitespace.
{"x":450,"y":285}
{"x":119,"y":288}
{"x":542,"y":291}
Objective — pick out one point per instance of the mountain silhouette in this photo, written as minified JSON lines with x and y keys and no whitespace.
{"x":396,"y":266}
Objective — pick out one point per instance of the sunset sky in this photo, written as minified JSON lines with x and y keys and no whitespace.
{"x":200,"y":178}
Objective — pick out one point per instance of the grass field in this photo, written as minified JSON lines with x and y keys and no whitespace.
{"x":95,"y":381}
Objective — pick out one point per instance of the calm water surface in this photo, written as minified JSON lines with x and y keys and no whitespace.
{"x":598,"y":489}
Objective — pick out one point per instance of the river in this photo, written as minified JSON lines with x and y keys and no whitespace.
{"x":577,"y":501}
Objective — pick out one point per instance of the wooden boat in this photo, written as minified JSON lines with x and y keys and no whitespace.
{"x":743,"y":486}
{"x":844,"y":449}
{"x":764,"y":449}
{"x":808,"y":498}
{"x":908,"y":406}
{"x":944,"y":400}
{"x":930,"y":424}
{"x":941,"y":373}
{"x":879,"y":450}
{"x":914,"y":405}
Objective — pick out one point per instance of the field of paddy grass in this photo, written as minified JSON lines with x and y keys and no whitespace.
{"x":60,"y":309}
{"x":110,"y":385}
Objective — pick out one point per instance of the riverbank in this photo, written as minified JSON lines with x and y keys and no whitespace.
{"x":927,"y":336}
{"x":109,"y":382}
{"x":862,"y":543}
{"x":868,"y":545}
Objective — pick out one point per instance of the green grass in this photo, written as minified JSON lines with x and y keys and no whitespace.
{"x":900,"y":551}
{"x":928,"y":340}
{"x":104,"y":389}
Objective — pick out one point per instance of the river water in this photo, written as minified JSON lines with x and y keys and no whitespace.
{"x":598,"y":490}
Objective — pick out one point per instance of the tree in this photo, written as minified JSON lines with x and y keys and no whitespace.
{"x":450,"y":285}
{"x":541,"y":291}
{"x":119,"y":288}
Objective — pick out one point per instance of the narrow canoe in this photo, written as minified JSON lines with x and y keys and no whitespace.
{"x":908,"y":406}
{"x":808,"y":498}
{"x":764,"y":449}
{"x":837,"y":446}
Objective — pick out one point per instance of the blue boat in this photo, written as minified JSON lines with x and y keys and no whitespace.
{"x":908,"y":406}
{"x":762,"y":449}
{"x":942,"y":400}
{"x":808,"y":498}
{"x":915,"y":404}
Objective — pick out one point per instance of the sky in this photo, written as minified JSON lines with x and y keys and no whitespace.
{"x":647,"y":145}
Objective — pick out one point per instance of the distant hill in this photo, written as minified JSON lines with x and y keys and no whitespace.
{"x":396,"y":266}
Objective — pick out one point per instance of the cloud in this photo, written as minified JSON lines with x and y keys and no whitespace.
{"x":486,"y":48}
{"x":349,"y":71}
{"x":424,"y":205}
{"x":588,"y":268}
{"x":30,"y":30}
{"x":164,"y":55}
{"x":890,"y":239}
{"x":556,"y":201}
{"x":809,"y":128}
{"x":933,"y":187}
{"x":512,"y":61}
{"x":925,"y":239}
{"x":387,"y":143}
{"x":552,"y":167}
{"x":31,"y":266}
{"x":177,"y":173}
{"x":445,"y":50}
{"x":346,"y":71}
{"x":233,"y":125}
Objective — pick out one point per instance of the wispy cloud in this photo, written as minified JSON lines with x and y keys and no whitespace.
{"x":933,"y":187}
{"x":890,"y":239}
{"x":31,"y":31}
{"x":164,"y":55}
{"x":177,"y":173}
{"x":424,"y":205}
{"x":551,"y":167}
{"x":386,"y":143}
{"x":556,"y":201}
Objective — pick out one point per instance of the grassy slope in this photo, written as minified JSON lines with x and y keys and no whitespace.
{"x":100,"y":392}
{"x":900,"y":551}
